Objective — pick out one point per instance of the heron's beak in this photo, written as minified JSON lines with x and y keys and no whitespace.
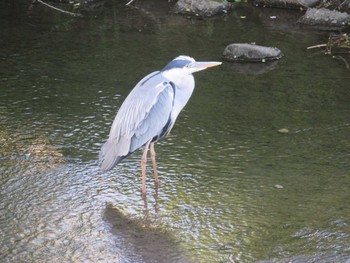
{"x":198,"y":66}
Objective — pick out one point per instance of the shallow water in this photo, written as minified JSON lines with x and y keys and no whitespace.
{"x":231,"y":187}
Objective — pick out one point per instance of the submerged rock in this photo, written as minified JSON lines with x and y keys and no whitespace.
{"x":289,"y":4}
{"x":202,"y":8}
{"x":325,"y":19}
{"x":283,"y":130}
{"x":243,"y":52}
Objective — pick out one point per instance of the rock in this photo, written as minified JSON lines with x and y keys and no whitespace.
{"x":325,"y":19}
{"x":250,"y":53}
{"x":289,"y":4}
{"x":283,"y":130}
{"x":202,"y":8}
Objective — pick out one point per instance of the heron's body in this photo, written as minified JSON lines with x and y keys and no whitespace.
{"x":150,"y":111}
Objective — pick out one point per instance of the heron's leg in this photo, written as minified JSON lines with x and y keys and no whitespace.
{"x":143,"y":167}
{"x":154,"y":164}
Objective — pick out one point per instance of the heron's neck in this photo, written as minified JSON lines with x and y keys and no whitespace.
{"x":184,"y":86}
{"x":181,"y":80}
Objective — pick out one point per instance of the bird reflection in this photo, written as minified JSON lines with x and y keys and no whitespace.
{"x":149,"y":241}
{"x":146,"y":210}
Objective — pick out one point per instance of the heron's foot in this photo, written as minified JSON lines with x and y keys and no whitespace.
{"x":156,"y":195}
{"x":156,"y":181}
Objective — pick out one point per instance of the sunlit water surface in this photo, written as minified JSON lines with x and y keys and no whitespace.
{"x":232,"y":188}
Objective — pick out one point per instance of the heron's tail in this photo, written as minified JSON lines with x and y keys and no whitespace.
{"x":108,"y":158}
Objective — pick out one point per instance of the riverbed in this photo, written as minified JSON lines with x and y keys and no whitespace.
{"x":256,"y":169}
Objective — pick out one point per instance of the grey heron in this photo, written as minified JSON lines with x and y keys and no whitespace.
{"x":149,"y":113}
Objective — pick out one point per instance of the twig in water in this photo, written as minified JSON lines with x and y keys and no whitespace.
{"x":132,"y":6}
{"x":58,"y":9}
{"x":344,"y":60}
{"x":317,"y":46}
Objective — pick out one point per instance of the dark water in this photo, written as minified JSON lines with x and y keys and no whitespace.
{"x":232,"y":188}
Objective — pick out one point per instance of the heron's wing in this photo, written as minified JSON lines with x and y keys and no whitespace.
{"x":144,"y":115}
{"x":157,"y":120}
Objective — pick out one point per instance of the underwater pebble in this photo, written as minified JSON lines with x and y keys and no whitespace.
{"x":283,"y":130}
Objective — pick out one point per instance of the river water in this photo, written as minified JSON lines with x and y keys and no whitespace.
{"x":232,"y":188}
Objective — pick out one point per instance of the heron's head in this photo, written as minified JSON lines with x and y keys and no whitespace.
{"x":187,"y":65}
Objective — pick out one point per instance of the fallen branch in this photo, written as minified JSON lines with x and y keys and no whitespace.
{"x":317,"y":46}
{"x":128,"y":3}
{"x":58,"y":9}
{"x":344,"y":60}
{"x":337,"y":44}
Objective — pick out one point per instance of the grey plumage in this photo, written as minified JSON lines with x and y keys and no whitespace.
{"x":143,"y":116}
{"x":150,"y":110}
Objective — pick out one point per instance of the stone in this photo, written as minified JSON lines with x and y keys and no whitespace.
{"x":283,"y":130}
{"x":243,"y":52}
{"x":201,"y":8}
{"x":325,"y":19}
{"x":288,"y":4}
